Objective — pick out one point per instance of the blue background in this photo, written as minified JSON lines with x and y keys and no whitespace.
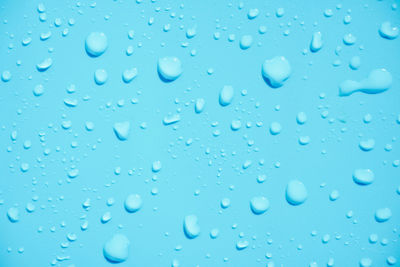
{"x":329,"y":159}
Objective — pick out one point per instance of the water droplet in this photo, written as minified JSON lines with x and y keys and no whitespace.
{"x":383,"y":214}
{"x":100,"y":76}
{"x":96,"y":44}
{"x":349,"y":39}
{"x":365,"y":262}
{"x":367,"y":145}
{"x":276,"y":71}
{"x":378,"y":81}
{"x":199,"y":105}
{"x":253,"y":13}
{"x":133,"y":203}
{"x":13,"y":214}
{"x":38,"y":90}
{"x":116,"y":249}
{"x":156,"y":166}
{"x":169,"y":68}
{"x":275,"y":128}
{"x":121,"y":130}
{"x":191,"y":226}
{"x":363,"y":176}
{"x":44,"y":65}
{"x":242,"y":244}
{"x":301,"y":118}
{"x":355,"y":63}
{"x":129,"y":74}
{"x":226,"y":95}
{"x":246,"y":41}
{"x":316,"y":42}
{"x":296,"y":192}
{"x":6,"y":76}
{"x":259,"y":205}
{"x":388,"y":31}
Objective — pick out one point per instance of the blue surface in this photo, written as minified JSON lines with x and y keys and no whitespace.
{"x":202,"y":159}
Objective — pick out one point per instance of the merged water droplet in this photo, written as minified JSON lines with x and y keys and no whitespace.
{"x":96,"y":44}
{"x":276,"y":71}
{"x":378,"y":81}
{"x":116,"y":249}
{"x":296,"y":192}
{"x":169,"y":68}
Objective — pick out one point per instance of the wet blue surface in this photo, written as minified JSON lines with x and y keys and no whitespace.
{"x":263,"y":178}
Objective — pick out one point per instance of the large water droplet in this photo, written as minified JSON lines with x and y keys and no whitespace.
{"x":133,"y":203}
{"x":121,"y":130}
{"x":191,"y":226}
{"x":116,"y":249}
{"x":296,"y":192}
{"x":276,"y":71}
{"x":259,"y":205}
{"x":226,"y":95}
{"x":169,"y":68}
{"x":378,"y":81}
{"x":13,"y":214}
{"x":383,"y":214}
{"x":96,"y":44}
{"x":388,"y":31}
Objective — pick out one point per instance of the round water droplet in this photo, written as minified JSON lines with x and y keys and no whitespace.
{"x":365,"y":262}
{"x":276,"y":71}
{"x":116,"y":249}
{"x":133,"y":203}
{"x":169,"y":68}
{"x":355,"y":63}
{"x":96,"y":44}
{"x":6,"y":76}
{"x":259,"y":205}
{"x":156,"y":166}
{"x":349,"y":39}
{"x":301,"y":118}
{"x":38,"y":90}
{"x":363,"y":176}
{"x":296,"y":192}
{"x":191,"y":226}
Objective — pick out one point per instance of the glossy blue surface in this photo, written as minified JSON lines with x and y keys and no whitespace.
{"x":210,"y":182}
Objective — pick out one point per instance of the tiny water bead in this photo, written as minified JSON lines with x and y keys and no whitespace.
{"x":121,"y":130}
{"x":100,"y":76}
{"x":383,"y":215}
{"x":133,"y":203}
{"x":96,"y":44}
{"x":259,"y":205}
{"x":169,"y":68}
{"x":226,"y":95}
{"x":191,"y":227}
{"x":378,"y":81}
{"x":116,"y":249}
{"x":276,"y":71}
{"x":388,"y":31}
{"x":363,"y":176}
{"x":296,"y":192}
